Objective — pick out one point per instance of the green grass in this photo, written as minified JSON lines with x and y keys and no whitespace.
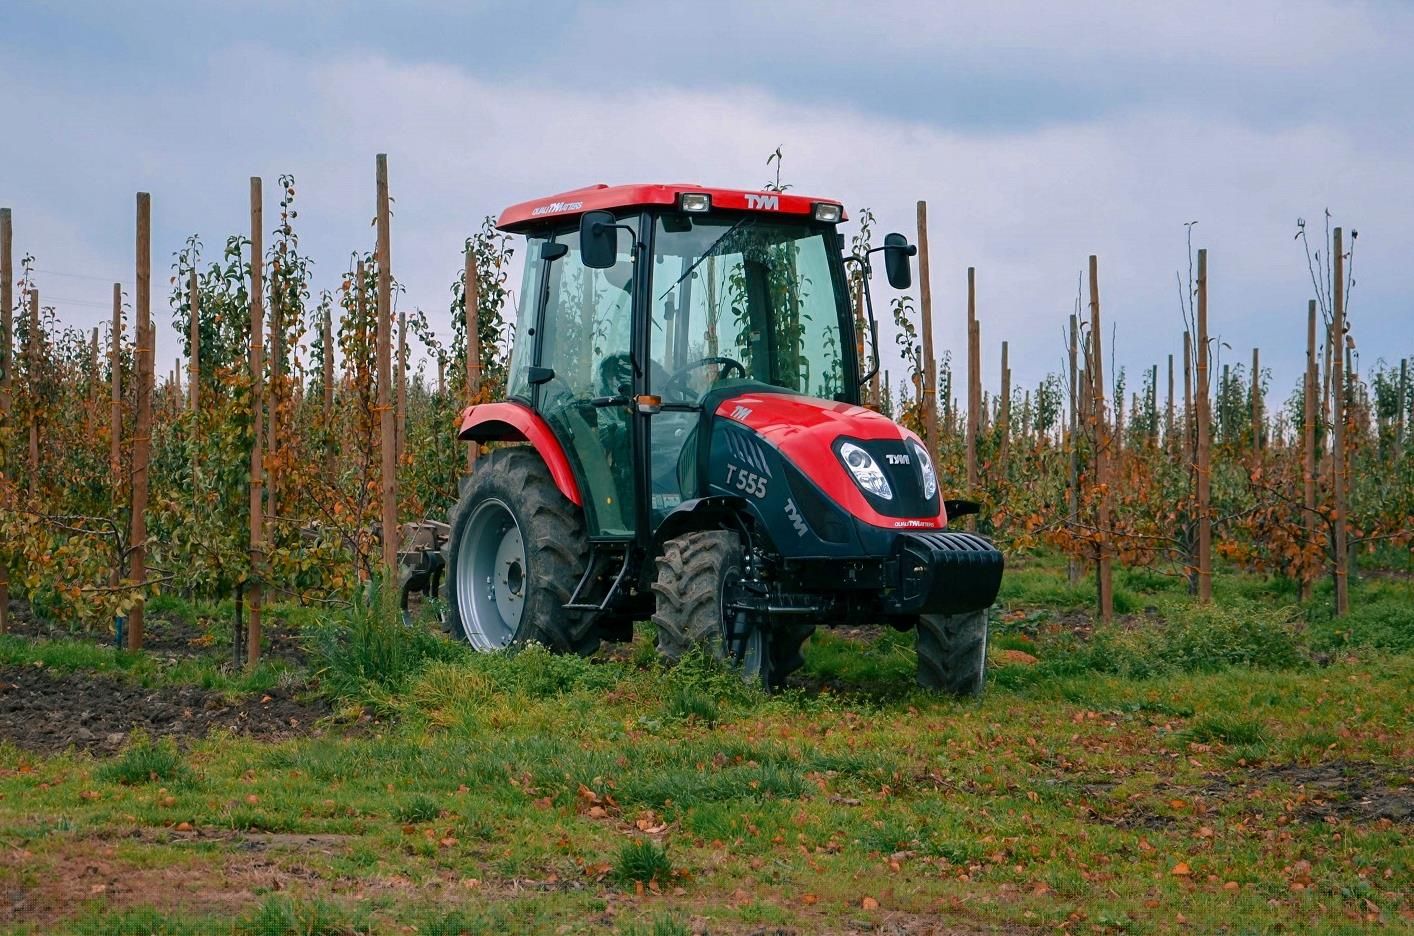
{"x":146,"y":761}
{"x":644,"y":861}
{"x":533,"y":793}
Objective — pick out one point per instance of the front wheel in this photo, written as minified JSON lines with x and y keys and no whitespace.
{"x":699,"y":575}
{"x":952,"y":652}
{"x":516,"y":549}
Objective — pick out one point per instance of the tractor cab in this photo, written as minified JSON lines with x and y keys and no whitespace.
{"x":634,"y":316}
{"x":686,"y":365}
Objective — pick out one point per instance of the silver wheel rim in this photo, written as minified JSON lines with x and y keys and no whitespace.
{"x":491,"y":576}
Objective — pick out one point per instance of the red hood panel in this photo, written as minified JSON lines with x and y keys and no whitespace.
{"x":804,"y":430}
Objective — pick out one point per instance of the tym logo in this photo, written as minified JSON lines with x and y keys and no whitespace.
{"x":764,"y":202}
{"x":897,"y":459}
{"x":796,"y":520}
{"x":741,"y":413}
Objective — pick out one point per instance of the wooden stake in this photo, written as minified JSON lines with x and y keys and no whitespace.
{"x":144,"y":359}
{"x":1340,"y":396}
{"x":1168,"y":413}
{"x":1205,"y":519}
{"x":1308,"y":442}
{"x":387,"y":439}
{"x":1153,"y":414}
{"x":1004,"y":415}
{"x":7,"y":301}
{"x":1073,"y":443}
{"x":253,"y":587}
{"x":925,"y":305}
{"x":327,"y":378}
{"x":471,"y":300}
{"x":1104,"y":574}
{"x":974,"y":380}
{"x":115,"y":384}
{"x":1256,"y":405}
{"x":194,"y":372}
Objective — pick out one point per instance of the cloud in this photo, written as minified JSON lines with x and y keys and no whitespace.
{"x":1025,"y":204}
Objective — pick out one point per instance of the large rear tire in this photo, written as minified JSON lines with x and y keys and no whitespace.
{"x":697,"y":577}
{"x":516,"y":549}
{"x":952,"y":652}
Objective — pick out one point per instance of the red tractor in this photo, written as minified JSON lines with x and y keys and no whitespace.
{"x":686,"y":373}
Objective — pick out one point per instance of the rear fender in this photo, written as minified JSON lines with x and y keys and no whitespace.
{"x":516,"y":422}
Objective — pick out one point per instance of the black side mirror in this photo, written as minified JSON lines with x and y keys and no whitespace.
{"x":598,"y":240}
{"x":897,"y":250}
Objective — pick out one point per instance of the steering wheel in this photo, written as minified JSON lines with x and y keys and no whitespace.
{"x":673,"y":388}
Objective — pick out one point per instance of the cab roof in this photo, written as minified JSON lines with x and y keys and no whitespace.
{"x":603,"y":197}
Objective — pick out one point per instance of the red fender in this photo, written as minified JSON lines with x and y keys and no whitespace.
{"x":516,"y":422}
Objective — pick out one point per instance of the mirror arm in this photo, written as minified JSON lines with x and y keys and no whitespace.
{"x":873,"y":325}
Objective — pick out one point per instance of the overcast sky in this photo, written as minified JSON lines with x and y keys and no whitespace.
{"x":1038,"y":133}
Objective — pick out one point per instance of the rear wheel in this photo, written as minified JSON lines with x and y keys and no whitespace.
{"x":516,"y":549}
{"x":952,"y":652}
{"x":698,"y":578}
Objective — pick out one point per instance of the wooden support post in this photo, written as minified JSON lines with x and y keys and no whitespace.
{"x":194,"y":373}
{"x":1168,"y":412}
{"x":143,"y":360}
{"x":1153,"y":415}
{"x":327,"y":379}
{"x":1004,"y":416}
{"x":925,"y":305}
{"x":1073,"y":444}
{"x":402,"y":387}
{"x":1341,"y":398}
{"x":1205,"y":519}
{"x":32,"y":354}
{"x":1256,"y":405}
{"x":115,"y":386}
{"x":1103,"y":572}
{"x":1308,"y":443}
{"x":974,"y":380}
{"x":471,"y":301}
{"x":7,"y":364}
{"x":387,"y":440}
{"x":254,"y":587}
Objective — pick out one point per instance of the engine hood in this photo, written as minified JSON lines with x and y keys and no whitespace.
{"x":806,"y":431}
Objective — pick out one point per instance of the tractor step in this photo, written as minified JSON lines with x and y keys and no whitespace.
{"x":601,"y":561}
{"x":945,"y":573}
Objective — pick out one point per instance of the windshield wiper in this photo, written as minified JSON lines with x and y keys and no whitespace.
{"x":708,"y":252}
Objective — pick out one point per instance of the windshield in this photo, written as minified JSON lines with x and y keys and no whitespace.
{"x":747,"y":297}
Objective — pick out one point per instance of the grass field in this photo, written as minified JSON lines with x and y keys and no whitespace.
{"x":1244,"y":768}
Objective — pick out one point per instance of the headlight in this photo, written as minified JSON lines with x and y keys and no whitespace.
{"x":925,"y":465}
{"x":866,"y":471}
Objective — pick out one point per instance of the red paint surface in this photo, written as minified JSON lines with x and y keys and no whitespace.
{"x":805,"y":429}
{"x":516,"y":422}
{"x":611,"y":197}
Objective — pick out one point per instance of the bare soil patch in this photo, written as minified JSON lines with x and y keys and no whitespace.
{"x":1345,"y":790}
{"x":49,"y":712}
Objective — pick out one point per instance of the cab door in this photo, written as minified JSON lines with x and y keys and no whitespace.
{"x":585,"y":342}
